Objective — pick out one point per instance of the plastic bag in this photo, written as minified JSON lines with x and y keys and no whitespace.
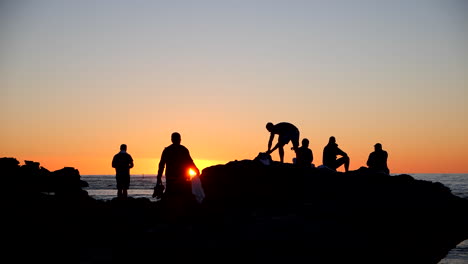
{"x":197,"y":189}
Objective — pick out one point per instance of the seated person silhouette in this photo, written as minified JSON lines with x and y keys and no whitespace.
{"x":377,"y":160}
{"x":304,"y":155}
{"x":330,"y":152}
{"x":286,"y":132}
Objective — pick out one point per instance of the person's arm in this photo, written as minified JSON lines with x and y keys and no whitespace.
{"x":270,"y":141}
{"x":113,"y":162}
{"x":162,"y":163}
{"x":192,"y":164}
{"x":130,"y":165}
{"x":340,"y":152}
{"x":274,"y":148}
{"x":369,"y":161}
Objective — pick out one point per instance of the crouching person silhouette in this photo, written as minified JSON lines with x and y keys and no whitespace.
{"x":177,"y":198}
{"x":286,"y":132}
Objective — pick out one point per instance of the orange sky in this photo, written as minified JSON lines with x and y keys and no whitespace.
{"x":79,"y":79}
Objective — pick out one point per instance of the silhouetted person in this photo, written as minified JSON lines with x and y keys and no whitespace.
{"x":122,"y":162}
{"x":177,"y":161}
{"x":377,"y":160}
{"x":304,"y":156}
{"x":330,"y":152}
{"x":286,"y":132}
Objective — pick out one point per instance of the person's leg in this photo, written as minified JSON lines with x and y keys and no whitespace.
{"x":295,"y":140}
{"x":342,"y":161}
{"x":124,"y":193}
{"x":281,"y":153}
{"x":119,"y":193}
{"x":346,"y":164}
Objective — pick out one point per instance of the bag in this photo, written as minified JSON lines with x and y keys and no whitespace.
{"x":197,"y":189}
{"x":264,"y":158}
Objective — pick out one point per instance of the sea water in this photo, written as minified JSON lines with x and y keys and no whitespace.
{"x":103,"y":187}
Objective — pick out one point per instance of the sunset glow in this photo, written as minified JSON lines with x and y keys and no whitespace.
{"x":79,"y":78}
{"x":192,"y":173}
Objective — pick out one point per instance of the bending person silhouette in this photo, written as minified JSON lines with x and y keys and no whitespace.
{"x":377,"y":160}
{"x":304,"y":155}
{"x":330,"y":152}
{"x":177,"y":161}
{"x":286,"y":132}
{"x":122,"y":162}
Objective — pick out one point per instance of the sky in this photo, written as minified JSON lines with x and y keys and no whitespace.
{"x":79,"y":78}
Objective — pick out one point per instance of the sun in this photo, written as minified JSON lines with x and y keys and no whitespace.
{"x":192,"y":173}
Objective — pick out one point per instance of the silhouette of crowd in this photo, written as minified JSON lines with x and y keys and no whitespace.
{"x":333,"y":157}
{"x":177,"y":162}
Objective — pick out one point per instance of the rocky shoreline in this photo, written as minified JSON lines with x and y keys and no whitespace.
{"x":251,"y":211}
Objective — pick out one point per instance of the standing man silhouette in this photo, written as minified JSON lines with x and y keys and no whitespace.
{"x":122,"y":162}
{"x":177,"y":161}
{"x":286,"y":132}
{"x":377,"y":160}
{"x":330,"y":152}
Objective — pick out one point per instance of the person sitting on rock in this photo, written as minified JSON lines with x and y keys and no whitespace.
{"x":304,"y":155}
{"x":377,"y":160}
{"x":330,"y":152}
{"x":286,"y":132}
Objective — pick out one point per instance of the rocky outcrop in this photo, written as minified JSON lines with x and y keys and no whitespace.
{"x":332,"y":217}
{"x":31,"y":179}
{"x":274,"y":213}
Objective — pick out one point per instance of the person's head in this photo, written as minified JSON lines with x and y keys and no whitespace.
{"x":269,"y":126}
{"x":175,"y":138}
{"x":305,"y":142}
{"x":378,"y":146}
{"x":332,"y":140}
{"x":123,"y":147}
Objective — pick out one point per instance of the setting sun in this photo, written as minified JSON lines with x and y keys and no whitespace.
{"x":192,"y":173}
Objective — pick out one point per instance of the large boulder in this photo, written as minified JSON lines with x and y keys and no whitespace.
{"x":31,"y":179}
{"x":284,"y":212}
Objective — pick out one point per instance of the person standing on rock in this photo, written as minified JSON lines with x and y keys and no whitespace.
{"x":377,"y":160}
{"x":178,"y":197}
{"x":330,"y":152}
{"x":122,"y":162}
{"x":286,"y":132}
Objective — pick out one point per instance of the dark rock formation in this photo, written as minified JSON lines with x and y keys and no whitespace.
{"x":333,"y":217}
{"x":31,"y":178}
{"x":276,"y":213}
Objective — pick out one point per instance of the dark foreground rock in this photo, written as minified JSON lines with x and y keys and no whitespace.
{"x":276,"y":213}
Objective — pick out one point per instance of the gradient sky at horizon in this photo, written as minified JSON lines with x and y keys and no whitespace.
{"x":79,"y":78}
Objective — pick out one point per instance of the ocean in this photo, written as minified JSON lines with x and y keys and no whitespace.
{"x":102,"y":187}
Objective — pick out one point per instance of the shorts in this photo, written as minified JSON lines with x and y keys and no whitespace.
{"x":123,"y":181}
{"x":290,"y":136}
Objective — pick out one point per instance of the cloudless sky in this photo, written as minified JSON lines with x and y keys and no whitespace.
{"x":79,"y":78}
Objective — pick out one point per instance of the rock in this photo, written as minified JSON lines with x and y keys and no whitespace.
{"x":272,"y":213}
{"x":32,"y":179}
{"x":314,"y":213}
